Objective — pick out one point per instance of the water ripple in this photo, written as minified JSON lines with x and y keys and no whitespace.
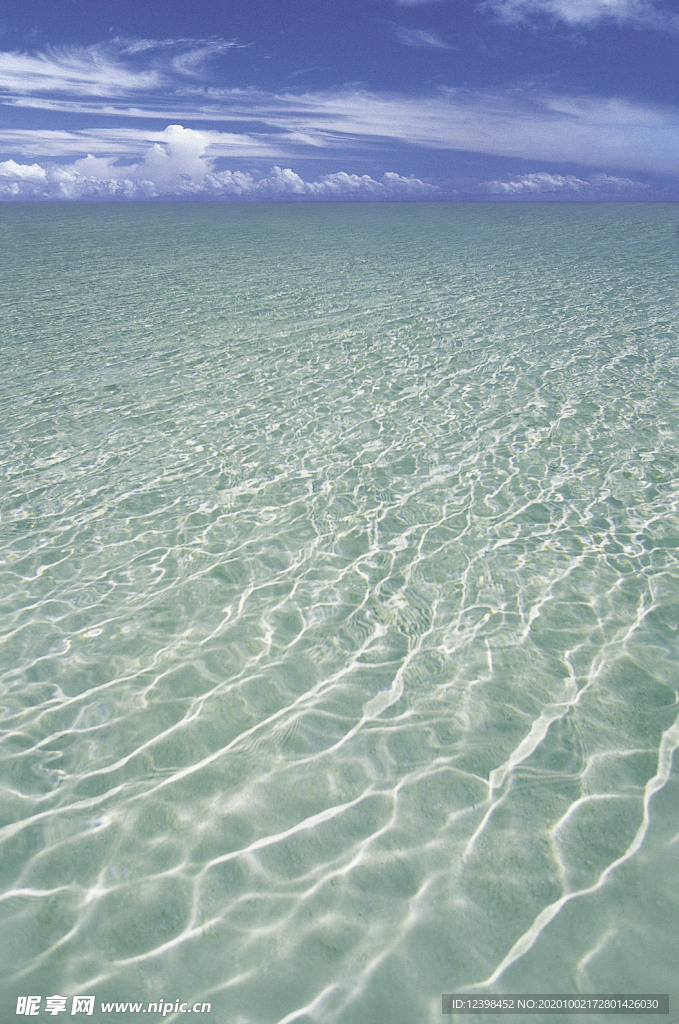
{"x":339,"y":590}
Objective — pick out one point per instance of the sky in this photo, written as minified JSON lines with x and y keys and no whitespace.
{"x":340,"y":99}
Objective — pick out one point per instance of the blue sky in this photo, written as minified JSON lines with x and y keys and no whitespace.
{"x":340,"y":99}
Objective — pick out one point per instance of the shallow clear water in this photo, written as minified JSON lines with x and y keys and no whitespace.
{"x":339,"y":592}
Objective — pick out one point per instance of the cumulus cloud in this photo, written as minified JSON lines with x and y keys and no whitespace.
{"x":181,"y":167}
{"x":543,"y":185}
{"x":17,"y":179}
{"x":586,"y":13}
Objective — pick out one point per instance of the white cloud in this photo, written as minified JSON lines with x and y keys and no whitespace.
{"x":537,"y":183}
{"x":106,"y":69}
{"x":526,"y":125}
{"x":192,"y":61}
{"x":419,"y":37}
{"x":151,"y":80}
{"x":16,"y":179}
{"x":76,"y":71}
{"x":183,"y":166}
{"x":596,"y":132}
{"x":343,"y":184}
{"x":586,"y":13}
{"x":132,"y":143}
{"x":25,"y":172}
{"x":545,"y":185}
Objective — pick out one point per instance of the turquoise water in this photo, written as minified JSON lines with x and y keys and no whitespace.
{"x":339,"y":593}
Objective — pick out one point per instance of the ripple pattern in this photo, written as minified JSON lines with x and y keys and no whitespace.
{"x":339,"y":584}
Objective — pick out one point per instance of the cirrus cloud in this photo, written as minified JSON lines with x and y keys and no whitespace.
{"x":586,"y":13}
{"x":119,"y":67}
{"x":604,"y":132}
{"x":419,"y":37}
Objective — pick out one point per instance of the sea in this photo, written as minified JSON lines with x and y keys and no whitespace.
{"x":339,"y":602}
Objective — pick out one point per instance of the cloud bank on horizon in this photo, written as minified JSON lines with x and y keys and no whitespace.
{"x":379,"y":100}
